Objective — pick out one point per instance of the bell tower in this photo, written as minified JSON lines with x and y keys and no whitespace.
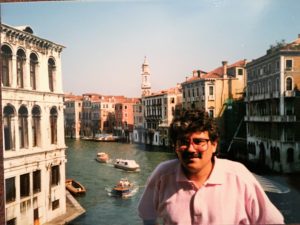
{"x":146,"y":86}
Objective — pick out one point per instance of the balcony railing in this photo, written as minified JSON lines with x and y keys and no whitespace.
{"x":289,"y":93}
{"x":284,"y":118}
{"x":211,"y":97}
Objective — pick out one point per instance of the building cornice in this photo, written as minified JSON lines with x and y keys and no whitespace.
{"x":40,"y":43}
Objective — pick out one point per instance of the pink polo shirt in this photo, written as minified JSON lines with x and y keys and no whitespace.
{"x":231,"y":195}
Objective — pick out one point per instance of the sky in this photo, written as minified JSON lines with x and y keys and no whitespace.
{"x":106,"y":40}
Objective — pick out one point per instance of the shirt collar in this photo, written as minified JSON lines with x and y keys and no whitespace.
{"x":217,"y":175}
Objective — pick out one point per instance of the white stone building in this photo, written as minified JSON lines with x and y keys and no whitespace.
{"x":33,"y":127}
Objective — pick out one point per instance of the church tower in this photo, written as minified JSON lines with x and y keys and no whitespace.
{"x":146,"y":86}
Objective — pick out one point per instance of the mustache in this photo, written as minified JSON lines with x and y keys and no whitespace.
{"x":190,"y":155}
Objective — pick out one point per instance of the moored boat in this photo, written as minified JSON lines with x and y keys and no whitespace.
{"x":126,"y":164}
{"x":102,"y":157}
{"x":105,"y":138}
{"x":75,"y":187}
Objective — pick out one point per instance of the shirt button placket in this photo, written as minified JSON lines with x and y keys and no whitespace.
{"x":197,"y":208}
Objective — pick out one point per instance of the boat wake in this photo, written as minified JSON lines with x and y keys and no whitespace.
{"x":132,"y":191}
{"x":271,"y":186}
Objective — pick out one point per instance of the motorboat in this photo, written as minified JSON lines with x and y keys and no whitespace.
{"x":126,"y":164}
{"x":75,"y":187}
{"x":124,"y":189}
{"x":102,"y":157}
{"x":106,"y":138}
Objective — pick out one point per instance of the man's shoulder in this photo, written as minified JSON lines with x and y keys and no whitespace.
{"x":233,"y":168}
{"x":167,"y":167}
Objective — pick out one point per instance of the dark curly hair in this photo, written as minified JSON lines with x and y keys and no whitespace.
{"x":191,"y":121}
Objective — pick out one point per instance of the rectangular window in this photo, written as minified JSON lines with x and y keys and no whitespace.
{"x":24,"y":185}
{"x":55,"y":204}
{"x":211,"y":90}
{"x":36,"y":181}
{"x":10,"y":189}
{"x":55,"y":175}
{"x":240,"y":72}
{"x":288,"y":64}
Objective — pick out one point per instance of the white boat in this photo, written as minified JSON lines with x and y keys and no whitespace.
{"x":105,"y":138}
{"x":102,"y":157}
{"x":126,"y":164}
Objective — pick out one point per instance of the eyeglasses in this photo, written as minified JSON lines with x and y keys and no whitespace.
{"x":198,"y":143}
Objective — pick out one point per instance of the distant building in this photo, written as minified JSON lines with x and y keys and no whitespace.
{"x":138,"y":122}
{"x":98,"y":113}
{"x":124,"y":118}
{"x":33,"y":127}
{"x":212,"y":90}
{"x":73,"y":111}
{"x":158,"y":110}
{"x":273,"y":108}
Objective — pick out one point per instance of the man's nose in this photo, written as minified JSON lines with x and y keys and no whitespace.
{"x":191,"y":146}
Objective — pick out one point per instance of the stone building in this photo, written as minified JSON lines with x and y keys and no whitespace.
{"x":212,"y":90}
{"x":158,"y":110}
{"x":273,"y":107}
{"x":33,"y":127}
{"x":73,"y":111}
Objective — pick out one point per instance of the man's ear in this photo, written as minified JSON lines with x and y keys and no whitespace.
{"x":214,"y":146}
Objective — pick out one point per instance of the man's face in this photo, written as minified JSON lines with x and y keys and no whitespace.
{"x":195,"y":151}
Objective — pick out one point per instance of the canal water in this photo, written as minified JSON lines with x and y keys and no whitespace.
{"x":97,"y":177}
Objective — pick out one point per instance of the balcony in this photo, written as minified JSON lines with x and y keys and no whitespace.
{"x":257,"y":118}
{"x":275,"y":94}
{"x":289,"y":118}
{"x":289,"y":93}
{"x":277,"y":119}
{"x":284,"y":118}
{"x":211,"y":98}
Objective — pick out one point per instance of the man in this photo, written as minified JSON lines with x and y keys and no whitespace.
{"x":199,"y":188}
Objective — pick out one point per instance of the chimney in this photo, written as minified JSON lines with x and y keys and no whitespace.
{"x":195,"y":74}
{"x":298,"y":35}
{"x":224,"y":63}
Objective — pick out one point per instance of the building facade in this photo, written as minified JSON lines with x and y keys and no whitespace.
{"x":212,"y":90}
{"x":33,"y":127}
{"x":273,"y":108}
{"x":73,"y":111}
{"x":138,"y":123}
{"x":124,"y":118}
{"x":158,"y":111}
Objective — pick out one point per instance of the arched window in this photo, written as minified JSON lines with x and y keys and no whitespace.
{"x":21,"y":58}
{"x":36,"y":118}
{"x":8,"y":128}
{"x":33,"y":65}
{"x":290,"y":155}
{"x":53,"y":125}
{"x":277,"y":154}
{"x":23,"y":127}
{"x":6,"y":62}
{"x":51,"y":69}
{"x":289,"y":84}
